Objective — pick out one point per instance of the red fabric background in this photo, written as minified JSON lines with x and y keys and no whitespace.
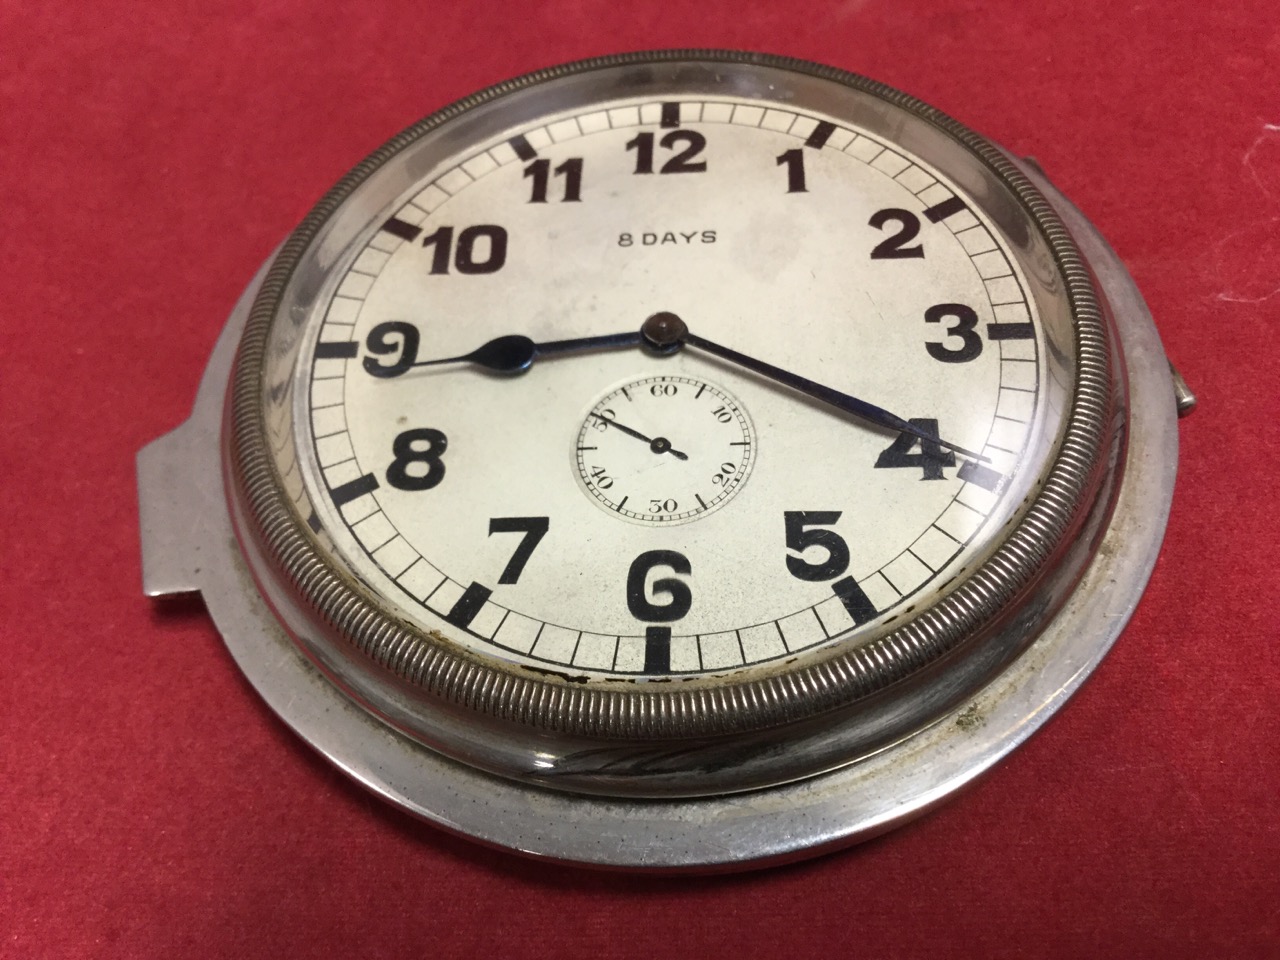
{"x":151,"y":154}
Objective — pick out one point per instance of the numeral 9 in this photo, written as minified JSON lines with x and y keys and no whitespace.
{"x":394,"y":337}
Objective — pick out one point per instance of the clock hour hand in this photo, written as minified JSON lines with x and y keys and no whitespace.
{"x":515,"y":353}
{"x":665,"y":331}
{"x":656,"y":444}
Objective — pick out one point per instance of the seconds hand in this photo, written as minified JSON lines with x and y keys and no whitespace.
{"x":656,"y":444}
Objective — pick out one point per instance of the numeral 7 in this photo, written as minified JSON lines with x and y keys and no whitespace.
{"x":533,"y":528}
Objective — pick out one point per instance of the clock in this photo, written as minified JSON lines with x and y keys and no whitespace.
{"x":674,"y":460}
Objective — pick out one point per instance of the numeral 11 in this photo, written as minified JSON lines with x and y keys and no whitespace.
{"x":540,"y":172}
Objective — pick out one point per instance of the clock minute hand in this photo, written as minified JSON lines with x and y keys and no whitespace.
{"x":515,"y":353}
{"x":662,"y":330}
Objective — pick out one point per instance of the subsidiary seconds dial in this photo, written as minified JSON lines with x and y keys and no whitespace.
{"x":665,"y":449}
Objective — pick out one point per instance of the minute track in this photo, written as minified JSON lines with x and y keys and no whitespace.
{"x":513,"y":354}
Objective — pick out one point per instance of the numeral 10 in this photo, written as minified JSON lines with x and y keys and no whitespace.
{"x":465,"y":259}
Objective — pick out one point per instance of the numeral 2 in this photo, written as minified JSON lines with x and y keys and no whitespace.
{"x":895,"y":247}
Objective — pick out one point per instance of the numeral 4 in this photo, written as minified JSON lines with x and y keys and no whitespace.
{"x":931,"y":458}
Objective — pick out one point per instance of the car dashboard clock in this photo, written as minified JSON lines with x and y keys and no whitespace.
{"x":682,"y":460}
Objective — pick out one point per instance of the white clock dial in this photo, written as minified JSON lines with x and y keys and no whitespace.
{"x":733,"y":518}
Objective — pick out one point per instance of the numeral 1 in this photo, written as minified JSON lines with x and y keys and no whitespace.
{"x":793,"y":160}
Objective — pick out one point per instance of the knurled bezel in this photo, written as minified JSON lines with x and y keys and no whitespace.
{"x":444,"y":672}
